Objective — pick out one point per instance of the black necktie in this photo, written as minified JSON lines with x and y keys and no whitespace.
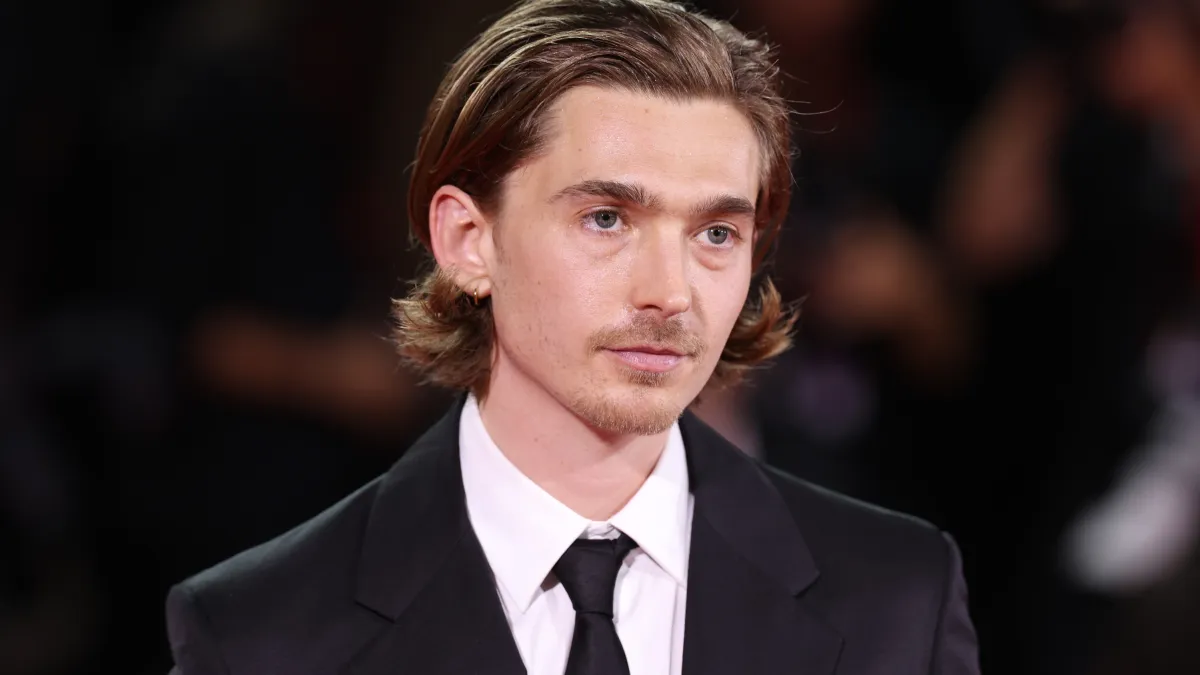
{"x":588,"y":572}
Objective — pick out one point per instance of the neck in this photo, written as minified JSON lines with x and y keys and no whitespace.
{"x":591,"y":472}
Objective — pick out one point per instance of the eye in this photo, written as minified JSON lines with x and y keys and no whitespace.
{"x":718,"y":235}
{"x":604,"y":220}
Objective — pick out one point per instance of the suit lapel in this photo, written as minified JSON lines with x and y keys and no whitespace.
{"x":747,"y":572}
{"x":423,"y":571}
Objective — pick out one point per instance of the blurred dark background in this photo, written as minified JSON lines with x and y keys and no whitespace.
{"x":996,"y":234}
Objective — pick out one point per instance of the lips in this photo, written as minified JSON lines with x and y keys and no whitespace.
{"x":650,"y":349}
{"x":649,"y":358}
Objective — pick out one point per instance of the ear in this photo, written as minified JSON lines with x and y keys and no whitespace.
{"x":461,"y":239}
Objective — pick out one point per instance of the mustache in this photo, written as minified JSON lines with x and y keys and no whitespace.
{"x":648,"y":331}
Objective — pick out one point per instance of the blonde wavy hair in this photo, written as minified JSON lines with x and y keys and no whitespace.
{"x":488,"y":117}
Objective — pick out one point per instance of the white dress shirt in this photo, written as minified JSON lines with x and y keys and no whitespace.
{"x":523,"y":531}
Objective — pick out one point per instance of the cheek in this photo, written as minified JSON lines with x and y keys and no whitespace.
{"x":723,"y":296}
{"x":547,"y":296}
{"x":599,"y":282}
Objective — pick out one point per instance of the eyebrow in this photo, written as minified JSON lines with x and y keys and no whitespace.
{"x":638,"y":195}
{"x":724,"y":205}
{"x":629,"y":193}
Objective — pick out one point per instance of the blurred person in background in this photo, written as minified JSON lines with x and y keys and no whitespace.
{"x":1064,"y":222}
{"x":260,"y":248}
{"x":595,"y":270}
{"x":195,"y":237}
{"x":1139,"y":542}
{"x":979,"y":301}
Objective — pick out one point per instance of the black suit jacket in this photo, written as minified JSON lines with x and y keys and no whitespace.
{"x":784,"y":577}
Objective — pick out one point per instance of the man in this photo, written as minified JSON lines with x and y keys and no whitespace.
{"x":597,"y":181}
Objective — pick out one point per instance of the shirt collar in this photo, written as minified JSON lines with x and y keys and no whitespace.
{"x":658,"y":516}
{"x":523,"y":530}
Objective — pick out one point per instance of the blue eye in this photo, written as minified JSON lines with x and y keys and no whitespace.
{"x":605,"y":220}
{"x":717,"y":236}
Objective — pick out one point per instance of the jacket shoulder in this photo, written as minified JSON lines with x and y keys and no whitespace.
{"x":885,"y":577}
{"x":851,"y":539}
{"x":258,"y":605}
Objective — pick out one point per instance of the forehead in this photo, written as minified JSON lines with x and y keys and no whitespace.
{"x":679,"y":148}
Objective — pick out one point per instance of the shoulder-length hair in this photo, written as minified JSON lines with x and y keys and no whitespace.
{"x":488,"y":117}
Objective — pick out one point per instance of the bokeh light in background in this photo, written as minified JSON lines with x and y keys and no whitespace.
{"x":996,"y":234}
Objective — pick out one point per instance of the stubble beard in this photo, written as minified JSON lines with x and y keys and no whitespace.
{"x":644,"y":411}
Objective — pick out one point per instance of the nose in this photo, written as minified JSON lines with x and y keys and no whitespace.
{"x":660,"y":275}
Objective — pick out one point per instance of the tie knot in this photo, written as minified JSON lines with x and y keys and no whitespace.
{"x":588,"y":572}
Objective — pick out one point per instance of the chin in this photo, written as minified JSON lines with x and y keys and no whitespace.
{"x":635,"y":408}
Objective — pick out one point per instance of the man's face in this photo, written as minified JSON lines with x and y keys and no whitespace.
{"x":622,"y":256}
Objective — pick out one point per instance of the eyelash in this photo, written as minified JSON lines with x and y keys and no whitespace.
{"x":589,"y":224}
